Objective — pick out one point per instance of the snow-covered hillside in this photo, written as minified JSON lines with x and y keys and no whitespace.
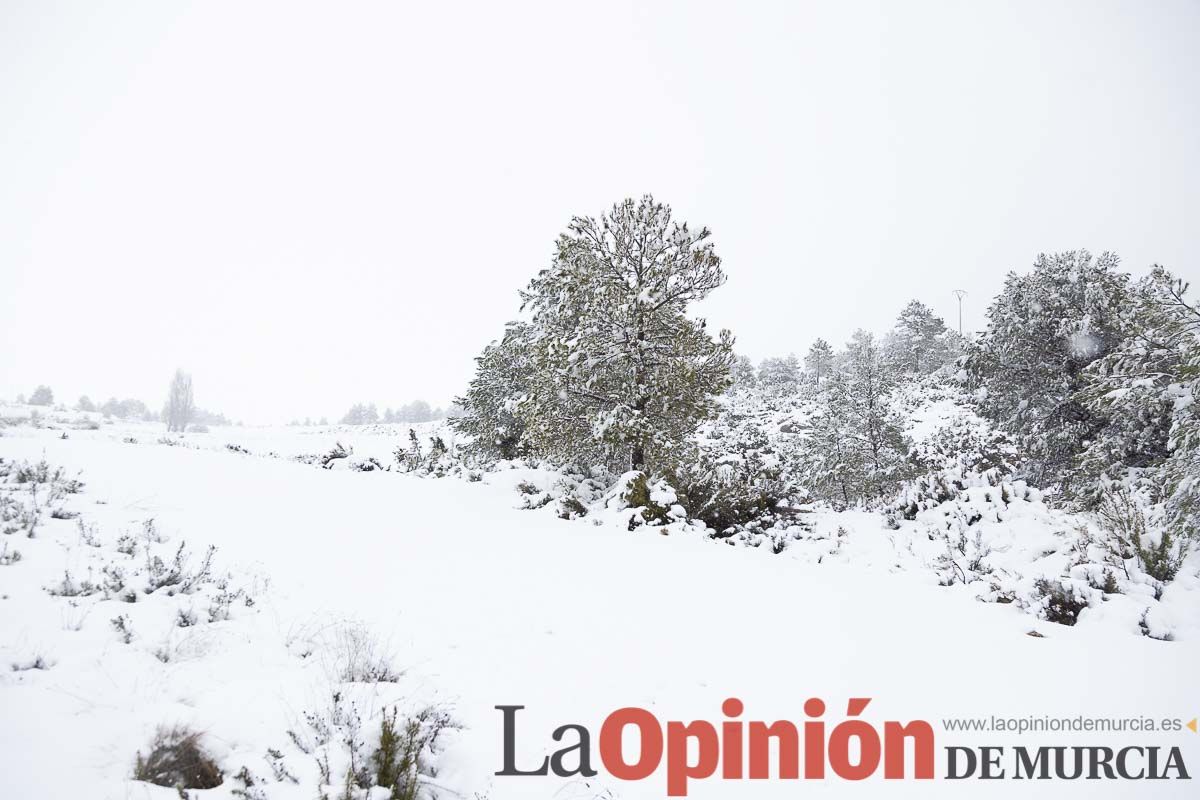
{"x":334,"y":595}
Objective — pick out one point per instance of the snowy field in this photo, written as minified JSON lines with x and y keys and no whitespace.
{"x":464,"y":601}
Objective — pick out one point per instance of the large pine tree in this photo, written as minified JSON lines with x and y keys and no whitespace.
{"x":619,"y":367}
{"x":1043,"y":331}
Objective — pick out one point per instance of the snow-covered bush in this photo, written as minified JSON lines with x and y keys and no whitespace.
{"x":177,"y":759}
{"x":1060,"y":601}
{"x":350,"y":760}
{"x":1128,"y":537}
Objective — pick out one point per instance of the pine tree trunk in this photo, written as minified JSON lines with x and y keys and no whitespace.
{"x":637,"y":460}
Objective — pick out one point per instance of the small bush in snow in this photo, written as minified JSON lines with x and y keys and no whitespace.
{"x":359,"y":658}
{"x":637,"y":494}
{"x":404,"y":746}
{"x":1124,"y":524}
{"x":38,"y":662}
{"x":369,"y":464}
{"x":177,"y":760}
{"x":127,"y":545}
{"x":124,"y":627}
{"x":1152,"y":630}
{"x":338,"y":452}
{"x":8,"y":557}
{"x":67,"y":587}
{"x":1060,"y":602}
{"x":223,"y":600}
{"x":571,"y":508}
{"x":177,"y":578}
{"x":87,"y":534}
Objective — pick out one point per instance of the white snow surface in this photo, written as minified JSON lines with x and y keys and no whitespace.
{"x":481,"y":603}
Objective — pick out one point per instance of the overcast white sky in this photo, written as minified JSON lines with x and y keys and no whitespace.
{"x":312,"y":205}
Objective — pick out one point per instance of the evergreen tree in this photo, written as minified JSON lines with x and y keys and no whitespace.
{"x":779,"y":375}
{"x":417,"y":411}
{"x":830,"y":466}
{"x":619,"y":368}
{"x":361,"y":414}
{"x":1044,"y":329}
{"x":856,"y":448}
{"x":819,"y":361}
{"x":1147,"y":390}
{"x":42,"y":396}
{"x":85,"y":404}
{"x":876,"y":424}
{"x":1182,"y":470}
{"x":1134,"y":388}
{"x":742,"y":373}
{"x":181,"y":405}
{"x":491,"y":408}
{"x":920,"y":343}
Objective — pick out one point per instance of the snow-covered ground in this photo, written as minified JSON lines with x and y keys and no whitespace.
{"x":475,"y":603}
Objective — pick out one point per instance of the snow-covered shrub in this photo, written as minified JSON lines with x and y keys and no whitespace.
{"x":726,"y":500}
{"x":124,"y":627}
{"x":571,"y":508}
{"x":7,"y":556}
{"x":358,"y":657}
{"x":177,"y":760}
{"x":653,"y":501}
{"x":1060,"y":601}
{"x":965,"y":558}
{"x":37,"y":661}
{"x":40,"y":473}
{"x":351,"y":762}
{"x":1122,"y":519}
{"x":178,"y":577}
{"x":405,"y":747}
{"x":337,"y":453}
{"x":367,"y":464}
{"x":740,"y":472}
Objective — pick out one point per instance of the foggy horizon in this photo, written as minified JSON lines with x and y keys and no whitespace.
{"x":350,"y":219}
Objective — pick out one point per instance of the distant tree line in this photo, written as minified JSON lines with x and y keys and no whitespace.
{"x":368,"y":414}
{"x":179,"y":412}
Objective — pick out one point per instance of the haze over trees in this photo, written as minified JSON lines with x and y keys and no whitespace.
{"x":368,"y":414}
{"x":180,"y":408}
{"x":920,"y":342}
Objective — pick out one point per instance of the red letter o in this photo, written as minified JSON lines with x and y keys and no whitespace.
{"x":610,"y":743}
